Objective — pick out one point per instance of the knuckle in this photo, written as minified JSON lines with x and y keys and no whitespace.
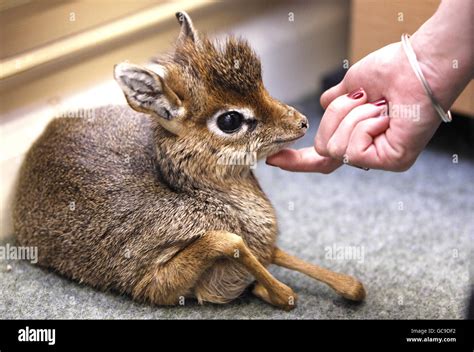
{"x":328,"y":167}
{"x":320,"y":146}
{"x":401,"y":160}
{"x":333,"y":109}
{"x":334,"y":150}
{"x":323,"y":99}
{"x":351,"y":154}
{"x":404,"y":164}
{"x":355,"y":157}
{"x":326,"y":171}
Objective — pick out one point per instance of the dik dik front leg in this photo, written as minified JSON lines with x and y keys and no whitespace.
{"x":165,"y":284}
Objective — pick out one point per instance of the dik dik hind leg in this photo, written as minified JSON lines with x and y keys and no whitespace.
{"x":345,"y":285}
{"x":165,"y":284}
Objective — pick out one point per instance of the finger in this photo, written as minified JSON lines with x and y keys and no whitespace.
{"x":334,"y":114}
{"x":303,"y":160}
{"x":362,"y":150}
{"x":339,"y":141}
{"x":332,"y":93}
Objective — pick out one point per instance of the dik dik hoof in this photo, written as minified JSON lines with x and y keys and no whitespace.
{"x":354,"y":292}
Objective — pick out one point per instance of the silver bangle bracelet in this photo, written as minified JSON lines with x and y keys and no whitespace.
{"x":445,"y":116}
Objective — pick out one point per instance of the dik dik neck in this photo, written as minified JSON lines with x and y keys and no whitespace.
{"x":195,"y":166}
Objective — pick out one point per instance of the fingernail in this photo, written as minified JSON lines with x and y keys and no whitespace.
{"x":269,"y":163}
{"x":357,"y":94}
{"x":380,"y":102}
{"x":361,"y":167}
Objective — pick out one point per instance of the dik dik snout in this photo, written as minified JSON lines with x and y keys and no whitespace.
{"x":297,"y":122}
{"x":293,"y":119}
{"x":303,"y":122}
{"x":293,"y":127}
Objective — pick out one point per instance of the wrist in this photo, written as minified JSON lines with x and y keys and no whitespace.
{"x":443,"y":46}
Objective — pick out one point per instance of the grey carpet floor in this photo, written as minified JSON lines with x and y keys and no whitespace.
{"x":406,"y":236}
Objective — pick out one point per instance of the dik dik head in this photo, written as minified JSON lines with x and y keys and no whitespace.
{"x":210,"y":92}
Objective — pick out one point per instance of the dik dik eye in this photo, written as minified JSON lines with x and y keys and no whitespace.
{"x":230,"y":121}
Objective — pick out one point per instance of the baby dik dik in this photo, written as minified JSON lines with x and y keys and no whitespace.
{"x":159,"y":214}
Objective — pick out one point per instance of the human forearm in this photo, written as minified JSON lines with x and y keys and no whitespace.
{"x":444,"y":47}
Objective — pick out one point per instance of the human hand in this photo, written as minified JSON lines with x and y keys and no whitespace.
{"x":353,"y":130}
{"x":357,"y":132}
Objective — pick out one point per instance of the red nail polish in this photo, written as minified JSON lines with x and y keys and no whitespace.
{"x":357,"y":94}
{"x":380,"y":102}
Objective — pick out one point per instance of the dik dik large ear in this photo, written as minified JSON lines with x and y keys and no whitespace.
{"x":147,"y":92}
{"x":187,"y":29}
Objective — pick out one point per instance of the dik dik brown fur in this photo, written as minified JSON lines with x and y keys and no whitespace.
{"x":162,"y":210}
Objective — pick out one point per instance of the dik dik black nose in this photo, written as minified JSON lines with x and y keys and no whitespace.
{"x":304,"y":123}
